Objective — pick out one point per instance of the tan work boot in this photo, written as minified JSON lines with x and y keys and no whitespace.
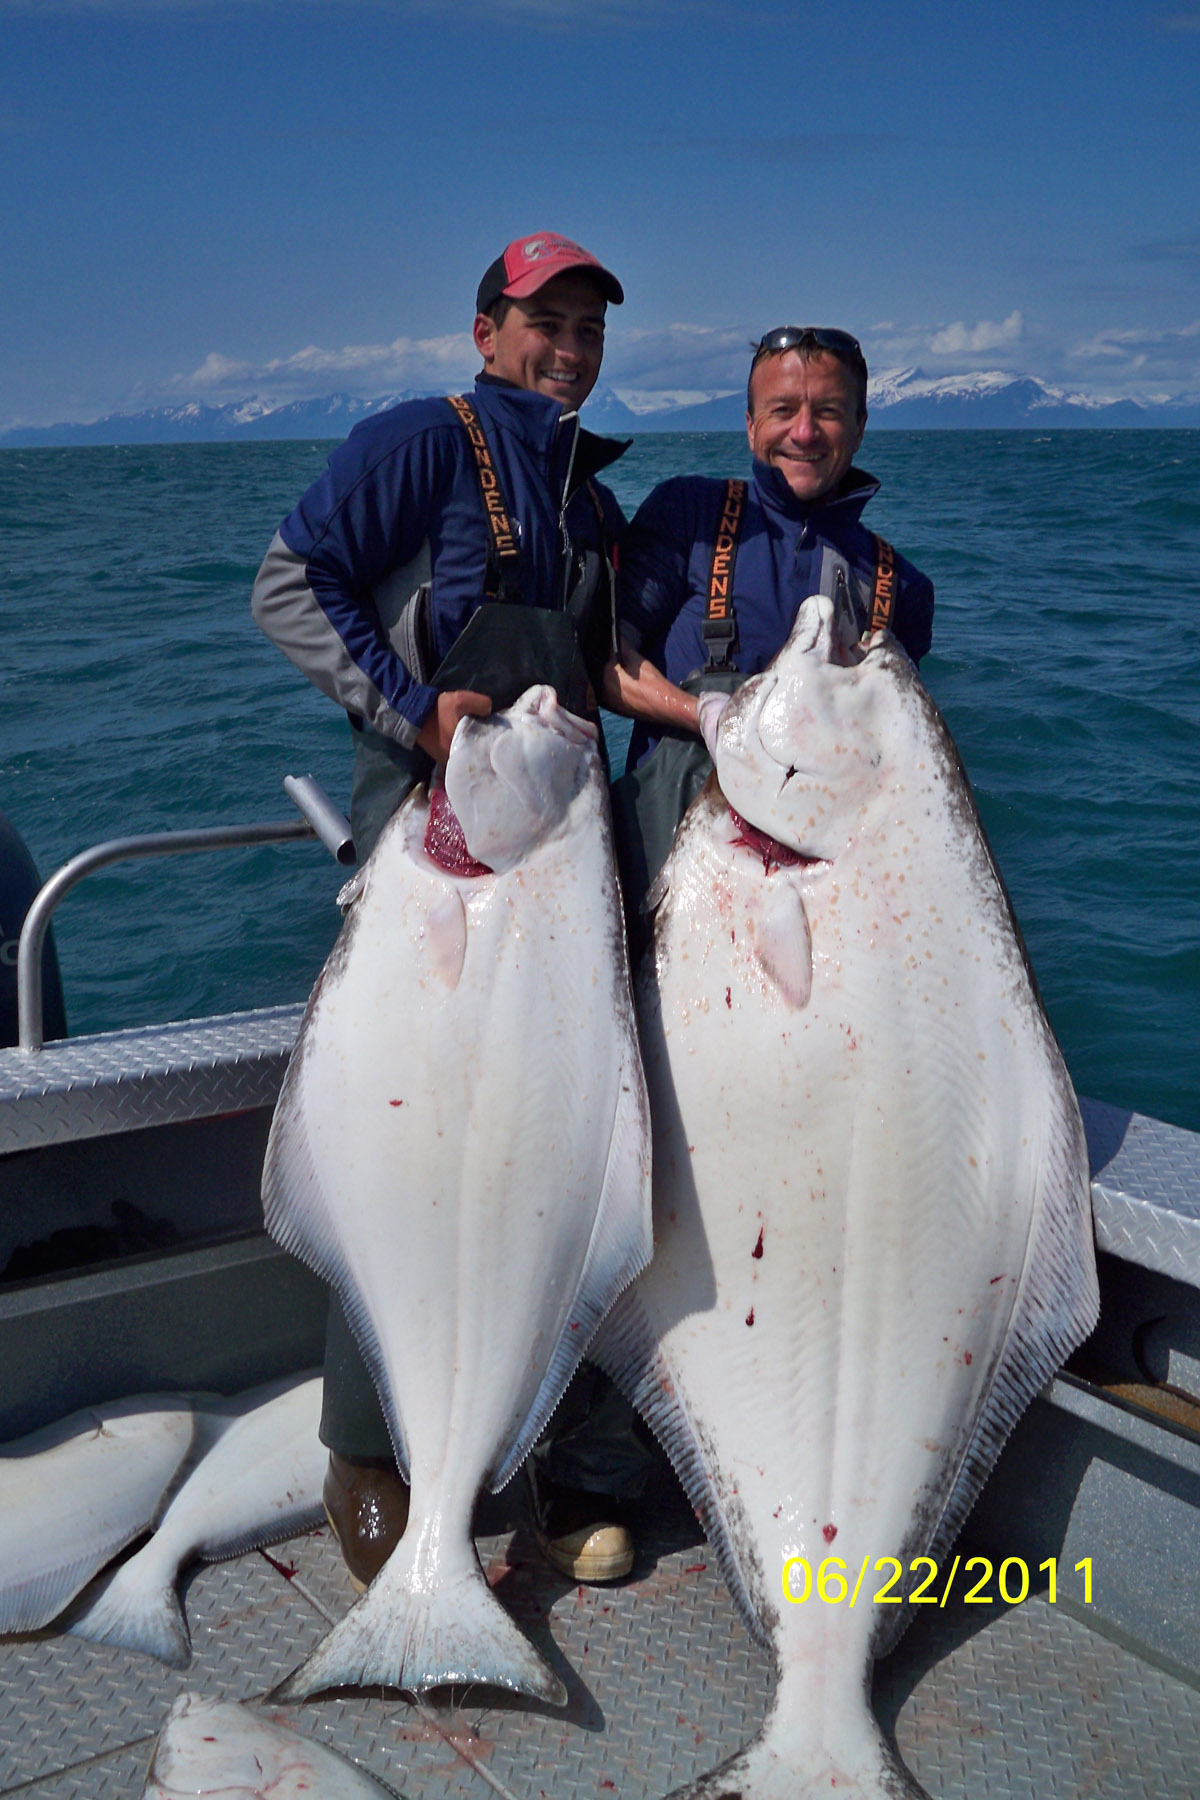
{"x":366,"y":1504}
{"x":573,"y":1533}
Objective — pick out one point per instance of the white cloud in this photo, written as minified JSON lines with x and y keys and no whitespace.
{"x":1171,"y":355}
{"x":217,"y":371}
{"x":962,"y":340}
{"x":949,"y":347}
{"x":308,"y":373}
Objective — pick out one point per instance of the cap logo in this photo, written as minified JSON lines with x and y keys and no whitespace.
{"x":538,"y":249}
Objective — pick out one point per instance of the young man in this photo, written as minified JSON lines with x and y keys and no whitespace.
{"x":371,"y":583}
{"x":795,"y":529}
{"x":453,"y":553}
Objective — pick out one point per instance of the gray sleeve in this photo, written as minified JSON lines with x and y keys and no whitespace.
{"x":284,"y":606}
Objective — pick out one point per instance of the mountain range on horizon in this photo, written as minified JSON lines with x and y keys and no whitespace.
{"x":904,"y":399}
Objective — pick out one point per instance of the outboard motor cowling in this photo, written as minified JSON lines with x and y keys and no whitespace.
{"x":19,"y":882}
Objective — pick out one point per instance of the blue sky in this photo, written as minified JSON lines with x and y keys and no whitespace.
{"x":215,"y":198}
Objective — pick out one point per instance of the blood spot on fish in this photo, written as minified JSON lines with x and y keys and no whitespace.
{"x":757,"y":1251}
{"x":395,"y":1103}
{"x":995,"y":1279}
{"x":967,"y":1358}
{"x":445,"y":842}
{"x":695,"y":1569}
{"x":575,"y":1325}
{"x":729,"y":997}
{"x":829,"y":1532}
{"x":750,"y":1317}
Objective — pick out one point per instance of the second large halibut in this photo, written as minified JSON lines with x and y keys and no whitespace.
{"x":872,"y":1222}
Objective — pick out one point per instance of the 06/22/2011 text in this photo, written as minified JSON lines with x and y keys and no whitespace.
{"x":986,"y":1583}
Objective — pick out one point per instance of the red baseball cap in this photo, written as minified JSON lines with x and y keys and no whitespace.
{"x":530,"y":262}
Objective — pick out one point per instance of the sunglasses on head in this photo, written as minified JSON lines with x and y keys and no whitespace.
{"x":825,"y":337}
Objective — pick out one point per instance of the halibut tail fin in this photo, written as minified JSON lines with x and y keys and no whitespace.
{"x":772,"y":1768}
{"x":135,"y":1609}
{"x":415,"y":1629}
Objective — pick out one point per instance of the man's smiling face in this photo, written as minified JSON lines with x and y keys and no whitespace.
{"x":805,"y":421}
{"x":551,"y":343}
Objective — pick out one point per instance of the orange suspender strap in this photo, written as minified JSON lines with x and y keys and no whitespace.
{"x":720,"y":626}
{"x":503,"y":539}
{"x":883,"y":599}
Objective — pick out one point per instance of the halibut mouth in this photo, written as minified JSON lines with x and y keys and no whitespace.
{"x":774,"y":854}
{"x":445,"y":841}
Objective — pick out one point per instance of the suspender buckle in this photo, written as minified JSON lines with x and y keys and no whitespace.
{"x":719,"y":635}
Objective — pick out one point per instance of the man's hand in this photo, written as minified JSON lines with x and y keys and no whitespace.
{"x":460,"y":703}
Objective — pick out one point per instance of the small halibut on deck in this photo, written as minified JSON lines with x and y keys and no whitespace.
{"x":74,"y":1494}
{"x":258,"y":1480}
{"x":230,"y":1752}
{"x":461,"y":1147}
{"x":873,"y":1238}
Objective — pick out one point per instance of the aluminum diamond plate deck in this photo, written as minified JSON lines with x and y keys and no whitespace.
{"x":1024,"y":1703}
{"x":1145,"y":1190}
{"x":156,"y":1075}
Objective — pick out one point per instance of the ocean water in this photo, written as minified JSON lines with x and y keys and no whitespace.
{"x":136,"y":695}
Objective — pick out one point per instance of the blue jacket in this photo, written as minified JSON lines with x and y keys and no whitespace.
{"x":397,"y":508}
{"x":783,"y":549}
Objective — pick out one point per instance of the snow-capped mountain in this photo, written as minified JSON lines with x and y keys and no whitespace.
{"x":909,"y":399}
{"x":195,"y":422}
{"x":903,"y":399}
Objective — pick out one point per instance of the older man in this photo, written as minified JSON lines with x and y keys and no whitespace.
{"x":713,"y":574}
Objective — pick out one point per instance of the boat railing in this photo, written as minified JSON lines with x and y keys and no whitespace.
{"x":320,"y":818}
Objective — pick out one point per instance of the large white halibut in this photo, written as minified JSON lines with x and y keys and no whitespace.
{"x":461,"y":1147}
{"x":873,"y":1236}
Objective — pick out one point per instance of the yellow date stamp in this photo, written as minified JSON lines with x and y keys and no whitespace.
{"x":985,"y":1582}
